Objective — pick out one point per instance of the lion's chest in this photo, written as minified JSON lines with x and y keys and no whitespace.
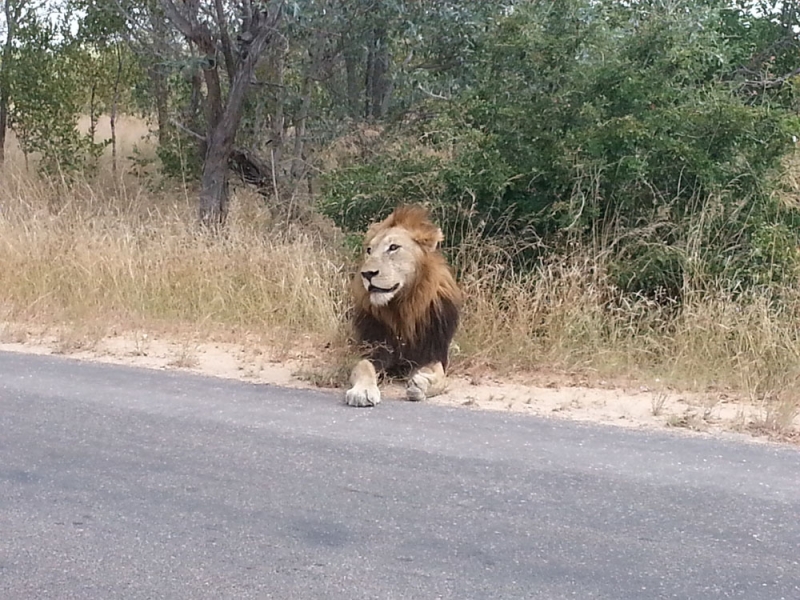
{"x":394,"y":351}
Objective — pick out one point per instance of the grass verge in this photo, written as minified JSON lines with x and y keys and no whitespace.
{"x":96,"y":257}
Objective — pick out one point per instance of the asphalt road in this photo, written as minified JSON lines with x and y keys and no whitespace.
{"x":128,"y":483}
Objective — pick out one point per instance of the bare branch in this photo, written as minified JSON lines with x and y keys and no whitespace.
{"x":430,"y":93}
{"x":771,"y":83}
{"x":188,"y":131}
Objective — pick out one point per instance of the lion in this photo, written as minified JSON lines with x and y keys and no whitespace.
{"x":406,"y":308}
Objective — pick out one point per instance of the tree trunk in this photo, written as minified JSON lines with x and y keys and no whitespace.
{"x":11,"y":18}
{"x":278,"y":120}
{"x":377,"y":84}
{"x":351,"y":59}
{"x":298,"y":164}
{"x":214,"y":182}
{"x":221,"y":127}
{"x":369,"y":78}
{"x":160,"y":92}
{"x":227,"y":48}
{"x":93,"y":116}
{"x":380,"y":75}
{"x":3,"y":122}
{"x":113,"y":115}
{"x":157,"y":77}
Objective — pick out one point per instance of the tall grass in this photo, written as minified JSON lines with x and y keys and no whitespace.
{"x":79,"y":253}
{"x":118,"y":254}
{"x":567,"y":315}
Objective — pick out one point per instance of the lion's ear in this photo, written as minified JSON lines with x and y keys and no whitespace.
{"x":430,"y":238}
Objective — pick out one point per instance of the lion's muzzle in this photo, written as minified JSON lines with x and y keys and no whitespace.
{"x":376,"y":289}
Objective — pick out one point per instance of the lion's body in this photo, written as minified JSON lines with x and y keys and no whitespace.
{"x":407,"y":306}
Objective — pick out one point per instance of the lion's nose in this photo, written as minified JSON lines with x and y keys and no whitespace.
{"x":368,"y":275}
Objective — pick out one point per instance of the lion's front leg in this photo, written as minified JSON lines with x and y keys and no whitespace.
{"x":364,"y":381}
{"x":427,"y":382}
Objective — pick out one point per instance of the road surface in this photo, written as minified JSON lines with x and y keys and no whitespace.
{"x":129,"y":483}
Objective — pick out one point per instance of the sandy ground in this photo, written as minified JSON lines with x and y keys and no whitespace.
{"x":638,"y":407}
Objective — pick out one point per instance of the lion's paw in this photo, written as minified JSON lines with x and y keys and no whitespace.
{"x":363,"y":395}
{"x":418,"y":386}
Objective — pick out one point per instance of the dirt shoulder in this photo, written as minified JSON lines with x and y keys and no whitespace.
{"x":538,"y":394}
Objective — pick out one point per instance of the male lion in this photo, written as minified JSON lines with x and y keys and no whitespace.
{"x":406,"y":308}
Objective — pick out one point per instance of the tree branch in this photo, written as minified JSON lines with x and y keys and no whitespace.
{"x":178,"y":19}
{"x":771,"y":83}
{"x":225,"y":38}
{"x":188,"y":131}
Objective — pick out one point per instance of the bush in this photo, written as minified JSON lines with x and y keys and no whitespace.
{"x":598,"y":121}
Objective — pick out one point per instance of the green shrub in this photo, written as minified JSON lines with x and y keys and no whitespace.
{"x":593,"y":120}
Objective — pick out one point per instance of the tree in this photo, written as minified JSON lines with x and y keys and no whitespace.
{"x":46,"y":96}
{"x":205,"y":26}
{"x":108,"y":63}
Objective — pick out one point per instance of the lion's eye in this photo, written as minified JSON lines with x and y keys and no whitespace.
{"x":393,"y":247}
{"x":369,"y":250}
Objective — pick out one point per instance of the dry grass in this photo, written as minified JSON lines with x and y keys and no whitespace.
{"x":567,"y":316}
{"x":112,"y":255}
{"x":120,"y":256}
{"x":73,"y":268}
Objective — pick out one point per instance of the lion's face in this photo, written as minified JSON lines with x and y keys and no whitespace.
{"x":390,"y":265}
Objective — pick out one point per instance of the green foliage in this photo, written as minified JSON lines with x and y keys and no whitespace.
{"x":773,"y":254}
{"x":47,"y":97}
{"x":625,"y":122}
{"x":179,"y":156}
{"x":178,"y":151}
{"x":413,"y":177}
